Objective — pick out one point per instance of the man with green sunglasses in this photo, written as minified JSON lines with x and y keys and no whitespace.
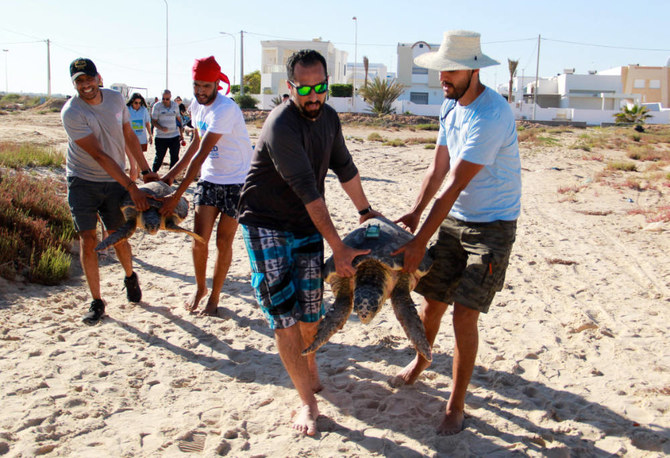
{"x":284,"y":219}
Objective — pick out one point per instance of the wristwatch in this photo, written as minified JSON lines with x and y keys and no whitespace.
{"x":145,"y":172}
{"x":365,"y":211}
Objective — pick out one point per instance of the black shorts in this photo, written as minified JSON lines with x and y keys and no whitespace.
{"x":88,"y":199}
{"x":225,"y":197}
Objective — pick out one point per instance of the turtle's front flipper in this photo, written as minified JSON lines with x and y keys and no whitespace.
{"x":122,"y":233}
{"x":172,"y":226}
{"x":336,"y":317}
{"x":405,"y":312}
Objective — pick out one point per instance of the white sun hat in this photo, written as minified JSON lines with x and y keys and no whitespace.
{"x":460,"y":50}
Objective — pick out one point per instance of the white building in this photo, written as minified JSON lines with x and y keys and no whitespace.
{"x":358,"y":70}
{"x":275,"y":53}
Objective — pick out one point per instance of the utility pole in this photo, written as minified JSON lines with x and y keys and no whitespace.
{"x":537,"y":72}
{"x":353,"y":99}
{"x":166,"y":45}
{"x":6,"y":72}
{"x":48,"y":68}
{"x":241,"y":62}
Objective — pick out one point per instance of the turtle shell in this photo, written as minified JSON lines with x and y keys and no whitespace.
{"x":158,"y":189}
{"x":382,"y":236}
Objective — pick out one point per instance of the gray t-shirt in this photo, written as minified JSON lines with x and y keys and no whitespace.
{"x":166,"y":117}
{"x":105,"y":121}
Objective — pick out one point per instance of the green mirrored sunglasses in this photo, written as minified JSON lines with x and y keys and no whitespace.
{"x":305,"y":90}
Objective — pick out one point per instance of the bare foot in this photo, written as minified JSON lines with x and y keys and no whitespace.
{"x":210,"y":310}
{"x":192,"y":303}
{"x":410,"y":373}
{"x":305,"y":420}
{"x":452,"y":423}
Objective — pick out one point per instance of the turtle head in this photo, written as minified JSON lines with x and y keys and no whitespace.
{"x":151,"y":220}
{"x":371,"y":288}
{"x":367,"y":302}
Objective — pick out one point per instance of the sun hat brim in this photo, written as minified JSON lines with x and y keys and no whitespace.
{"x":460,"y":50}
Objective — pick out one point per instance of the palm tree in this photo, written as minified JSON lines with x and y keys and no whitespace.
{"x":632,"y":115}
{"x":381,"y":94}
{"x":511,"y":64}
{"x":366,"y":66}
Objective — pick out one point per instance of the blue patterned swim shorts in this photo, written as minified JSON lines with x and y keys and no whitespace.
{"x":286,"y":275}
{"x":225,"y":197}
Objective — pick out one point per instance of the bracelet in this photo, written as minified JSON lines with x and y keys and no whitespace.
{"x":129,"y":185}
{"x":365,"y":211}
{"x":145,"y":172}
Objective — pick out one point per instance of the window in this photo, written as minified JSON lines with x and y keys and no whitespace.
{"x":419,"y":71}
{"x":654,"y":84}
{"x":638,"y":84}
{"x":420,"y":98}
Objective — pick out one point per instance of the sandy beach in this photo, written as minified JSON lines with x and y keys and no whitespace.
{"x":574,"y":356}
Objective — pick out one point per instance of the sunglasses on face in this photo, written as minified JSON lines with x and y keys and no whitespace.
{"x":303,"y":90}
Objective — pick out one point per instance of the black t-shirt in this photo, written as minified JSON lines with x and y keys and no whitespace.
{"x":289,"y":167}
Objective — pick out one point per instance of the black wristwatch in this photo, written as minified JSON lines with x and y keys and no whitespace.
{"x":365,"y":211}
{"x":145,"y":172}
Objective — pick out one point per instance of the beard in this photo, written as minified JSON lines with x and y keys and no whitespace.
{"x":311,"y":110}
{"x":205,"y":99}
{"x":457,"y":90}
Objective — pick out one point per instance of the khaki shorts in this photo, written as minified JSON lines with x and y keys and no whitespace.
{"x":470,"y":261}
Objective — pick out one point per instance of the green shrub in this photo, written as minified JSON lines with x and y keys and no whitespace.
{"x":16,"y":156}
{"x":246,"y":101}
{"x":375,"y":137}
{"x":34,"y":224}
{"x":51,"y":267}
{"x":341,"y":90}
{"x":427,"y":127}
{"x":622,"y":166}
{"x":394,"y":142}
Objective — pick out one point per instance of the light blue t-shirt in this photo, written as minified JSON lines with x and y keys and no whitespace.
{"x":138,"y":121}
{"x":484,"y":132}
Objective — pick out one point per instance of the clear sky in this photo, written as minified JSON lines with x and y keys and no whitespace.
{"x":126,"y":38}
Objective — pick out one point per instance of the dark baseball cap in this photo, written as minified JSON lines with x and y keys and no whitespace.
{"x":82,"y":66}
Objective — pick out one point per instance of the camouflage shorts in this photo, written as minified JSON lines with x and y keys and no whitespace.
{"x":470,"y":262}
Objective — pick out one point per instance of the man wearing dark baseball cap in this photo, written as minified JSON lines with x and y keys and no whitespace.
{"x":82,"y":66}
{"x":98,"y":128}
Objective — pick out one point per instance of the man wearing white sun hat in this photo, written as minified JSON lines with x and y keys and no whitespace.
{"x":478,"y":154}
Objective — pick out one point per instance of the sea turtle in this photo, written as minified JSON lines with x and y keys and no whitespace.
{"x":149,"y":220}
{"x":378,"y":277}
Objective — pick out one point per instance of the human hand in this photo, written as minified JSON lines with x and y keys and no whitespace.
{"x":169,"y":204}
{"x":371,"y":214}
{"x":149,"y":177}
{"x":344,"y":258}
{"x":413,"y":252}
{"x":139,"y":197}
{"x":410,"y":221}
{"x":168,"y":179}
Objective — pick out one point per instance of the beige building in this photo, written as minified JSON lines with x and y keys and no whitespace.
{"x":422,"y":86}
{"x":651,"y":83}
{"x":275,"y":53}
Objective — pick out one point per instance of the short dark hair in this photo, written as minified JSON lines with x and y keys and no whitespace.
{"x":304,"y":57}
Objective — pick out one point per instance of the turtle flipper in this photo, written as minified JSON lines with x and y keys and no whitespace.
{"x":122,"y":233}
{"x":405,"y":312}
{"x":335,"y":319}
{"x":172,"y":226}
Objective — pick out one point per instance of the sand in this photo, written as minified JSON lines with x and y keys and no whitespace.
{"x":574,"y":356}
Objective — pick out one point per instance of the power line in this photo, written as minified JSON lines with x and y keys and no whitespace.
{"x":607,"y":46}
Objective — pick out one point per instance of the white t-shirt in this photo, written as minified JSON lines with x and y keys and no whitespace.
{"x":166,"y":117}
{"x":229,"y":160}
{"x":105,"y":121}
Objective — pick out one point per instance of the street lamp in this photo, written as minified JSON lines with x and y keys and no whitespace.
{"x":353,"y":102}
{"x":166,"y":44}
{"x":6,"y":51}
{"x":234,"y":52}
